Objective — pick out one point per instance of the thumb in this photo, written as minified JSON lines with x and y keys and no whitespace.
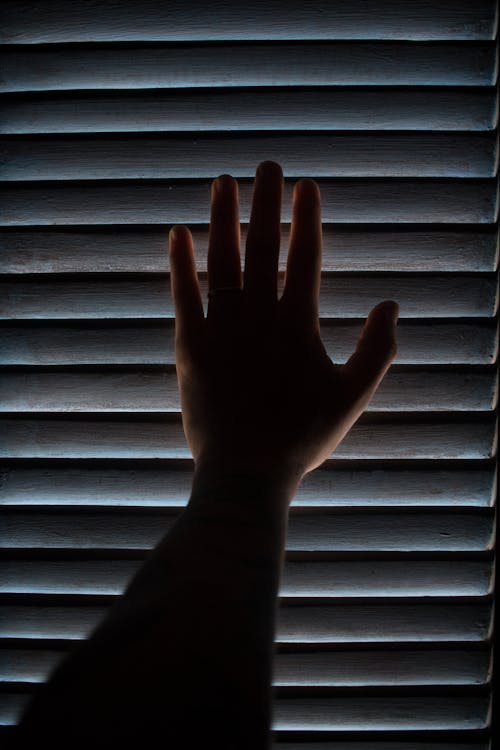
{"x":375,"y":350}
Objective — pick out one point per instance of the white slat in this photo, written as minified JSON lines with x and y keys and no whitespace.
{"x":384,"y":623}
{"x":343,"y":296}
{"x":352,"y":579}
{"x":345,"y":248}
{"x":320,"y":108}
{"x":170,"y":488}
{"x":71,"y":21}
{"x":177,"y":201}
{"x":76,"y":438}
{"x":369,"y":714}
{"x":361,"y":155}
{"x":308,"y":531}
{"x":352,"y":713}
{"x":344,"y":63}
{"x":320,"y":624}
{"x":326,"y":669}
{"x":422,"y":342}
{"x":128,"y":392}
{"x":360,"y":668}
{"x":362,"y":623}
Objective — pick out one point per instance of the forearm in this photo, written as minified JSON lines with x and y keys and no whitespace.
{"x":192,"y":637}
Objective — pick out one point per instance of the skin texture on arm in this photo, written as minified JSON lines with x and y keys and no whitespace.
{"x":187,"y":651}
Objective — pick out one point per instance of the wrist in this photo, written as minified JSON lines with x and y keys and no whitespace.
{"x":256,"y":483}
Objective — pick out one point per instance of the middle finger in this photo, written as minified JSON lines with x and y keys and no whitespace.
{"x":264,"y":233}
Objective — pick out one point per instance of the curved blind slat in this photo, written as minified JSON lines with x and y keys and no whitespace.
{"x":232,"y":111}
{"x":72,"y":21}
{"x":344,"y":63}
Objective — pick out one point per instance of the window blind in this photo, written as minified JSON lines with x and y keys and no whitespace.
{"x":116,"y":118}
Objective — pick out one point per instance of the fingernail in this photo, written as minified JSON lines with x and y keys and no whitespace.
{"x":174,"y":233}
{"x":268,"y":166}
{"x":222,"y":182}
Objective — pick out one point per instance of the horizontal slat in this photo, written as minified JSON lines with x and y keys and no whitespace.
{"x":352,"y":579}
{"x":25,"y":342}
{"x":156,"y":487}
{"x":35,"y":665}
{"x":71,"y":21}
{"x":363,"y":623}
{"x":76,"y":438}
{"x":350,"y":668}
{"x":178,"y":201}
{"x":333,"y":530}
{"x":335,"y":669}
{"x":366,"y":714}
{"x":381,"y":713}
{"x":268,"y":64}
{"x":345,"y":248}
{"x":275,"y":108}
{"x":319,"y":155}
{"x":428,"y":390}
{"x":11,"y":706}
{"x":346,"y":296}
{"x":339,"y":623}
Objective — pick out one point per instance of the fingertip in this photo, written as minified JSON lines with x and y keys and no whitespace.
{"x":177,"y":233}
{"x":307,"y":189}
{"x":391,"y":311}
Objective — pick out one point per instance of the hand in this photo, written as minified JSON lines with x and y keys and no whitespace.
{"x":258,"y":389}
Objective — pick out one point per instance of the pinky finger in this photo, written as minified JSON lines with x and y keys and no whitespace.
{"x":189,"y":314}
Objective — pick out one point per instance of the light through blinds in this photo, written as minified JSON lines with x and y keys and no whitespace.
{"x":116,"y":117}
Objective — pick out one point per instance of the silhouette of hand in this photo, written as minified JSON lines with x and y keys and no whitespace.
{"x":258,"y":389}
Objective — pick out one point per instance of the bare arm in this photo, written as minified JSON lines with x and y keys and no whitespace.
{"x":188,"y":649}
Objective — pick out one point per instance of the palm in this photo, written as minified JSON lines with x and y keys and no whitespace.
{"x":257,"y":385}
